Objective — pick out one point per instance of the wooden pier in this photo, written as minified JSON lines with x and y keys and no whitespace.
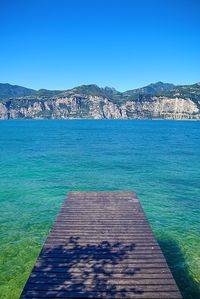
{"x":101,"y":246}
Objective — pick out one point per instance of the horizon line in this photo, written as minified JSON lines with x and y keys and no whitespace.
{"x":65,"y":89}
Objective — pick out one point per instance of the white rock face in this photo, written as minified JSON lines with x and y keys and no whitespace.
{"x":3,"y":111}
{"x":111,"y":110}
{"x":96,"y":107}
{"x":162,"y":107}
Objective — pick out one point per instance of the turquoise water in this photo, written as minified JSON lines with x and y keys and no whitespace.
{"x":41,"y":160}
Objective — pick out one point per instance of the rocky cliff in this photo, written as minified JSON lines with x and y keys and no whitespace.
{"x":99,"y":107}
{"x":155,"y":101}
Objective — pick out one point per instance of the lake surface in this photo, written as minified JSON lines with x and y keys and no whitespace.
{"x":40,"y":161}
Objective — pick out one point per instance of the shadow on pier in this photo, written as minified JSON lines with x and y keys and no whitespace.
{"x":84,"y":271}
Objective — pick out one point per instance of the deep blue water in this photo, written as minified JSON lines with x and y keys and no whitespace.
{"x":40,"y":161}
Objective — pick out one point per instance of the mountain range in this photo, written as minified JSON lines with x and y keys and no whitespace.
{"x":154,"y":101}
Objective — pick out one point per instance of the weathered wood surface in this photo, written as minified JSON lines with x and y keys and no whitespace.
{"x":101,"y":246}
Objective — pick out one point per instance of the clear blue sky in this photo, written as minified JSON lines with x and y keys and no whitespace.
{"x":59,"y":44}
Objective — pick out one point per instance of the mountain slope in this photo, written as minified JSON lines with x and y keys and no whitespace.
{"x":151,"y":89}
{"x":186,"y":91}
{"x":8,"y":90}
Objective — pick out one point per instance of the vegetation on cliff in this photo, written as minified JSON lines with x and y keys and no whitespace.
{"x":158,"y":100}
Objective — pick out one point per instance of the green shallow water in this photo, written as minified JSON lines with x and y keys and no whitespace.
{"x":41,"y":160}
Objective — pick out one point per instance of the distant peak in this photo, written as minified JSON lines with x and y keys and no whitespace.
{"x":160,"y":83}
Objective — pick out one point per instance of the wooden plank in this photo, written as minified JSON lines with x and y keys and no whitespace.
{"x":101,"y":246}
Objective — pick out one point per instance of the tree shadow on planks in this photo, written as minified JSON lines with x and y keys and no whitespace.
{"x":81,"y":270}
{"x":179,"y":269}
